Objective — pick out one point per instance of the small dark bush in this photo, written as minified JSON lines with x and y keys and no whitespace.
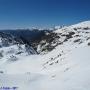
{"x":77,"y":40}
{"x":89,"y":44}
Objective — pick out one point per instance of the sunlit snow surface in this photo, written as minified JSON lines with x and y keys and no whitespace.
{"x":67,"y":67}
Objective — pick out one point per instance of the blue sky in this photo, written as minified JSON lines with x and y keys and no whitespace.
{"x":42,"y":13}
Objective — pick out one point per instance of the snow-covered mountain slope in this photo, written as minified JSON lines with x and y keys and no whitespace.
{"x":82,"y":24}
{"x":12,"y":48}
{"x":66,"y":67}
{"x":40,"y":40}
{"x":77,"y":33}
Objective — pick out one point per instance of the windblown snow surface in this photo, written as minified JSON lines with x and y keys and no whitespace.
{"x":67,"y":67}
